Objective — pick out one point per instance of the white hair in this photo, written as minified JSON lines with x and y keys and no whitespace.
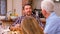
{"x":47,"y":5}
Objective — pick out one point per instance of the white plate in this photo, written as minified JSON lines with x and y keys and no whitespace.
{"x":2,"y":17}
{"x":13,"y":17}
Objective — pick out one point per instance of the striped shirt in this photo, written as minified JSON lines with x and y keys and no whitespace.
{"x":19,"y":19}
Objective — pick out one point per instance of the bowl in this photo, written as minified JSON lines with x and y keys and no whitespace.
{"x":13,"y":17}
{"x":2,"y":17}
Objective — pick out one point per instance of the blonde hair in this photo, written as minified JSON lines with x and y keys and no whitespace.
{"x":30,"y":25}
{"x":47,"y":5}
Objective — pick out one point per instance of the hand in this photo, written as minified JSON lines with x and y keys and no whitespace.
{"x":17,"y":26}
{"x":12,"y":28}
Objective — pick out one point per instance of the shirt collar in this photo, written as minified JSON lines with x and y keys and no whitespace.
{"x":51,"y":15}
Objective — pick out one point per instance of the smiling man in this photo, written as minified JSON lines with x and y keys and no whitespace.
{"x":27,"y":10}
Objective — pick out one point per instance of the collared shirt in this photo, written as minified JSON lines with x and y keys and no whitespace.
{"x":18,"y":21}
{"x":52,"y":24}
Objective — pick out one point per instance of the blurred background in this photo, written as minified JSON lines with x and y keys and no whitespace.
{"x":11,"y":9}
{"x":10,"y":6}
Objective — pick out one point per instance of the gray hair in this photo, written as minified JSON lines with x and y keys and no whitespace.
{"x":47,"y":5}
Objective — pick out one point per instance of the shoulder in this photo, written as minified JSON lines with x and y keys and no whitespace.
{"x":21,"y":16}
{"x":54,"y":22}
{"x":56,"y":19}
{"x":35,"y":16}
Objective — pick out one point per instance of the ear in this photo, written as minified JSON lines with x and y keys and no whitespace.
{"x":43,"y":12}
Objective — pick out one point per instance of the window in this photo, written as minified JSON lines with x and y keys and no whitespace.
{"x":3,"y":7}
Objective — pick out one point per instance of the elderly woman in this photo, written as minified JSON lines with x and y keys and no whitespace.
{"x":52,"y":20}
{"x":30,"y":25}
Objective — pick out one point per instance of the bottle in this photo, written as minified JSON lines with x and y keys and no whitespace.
{"x":14,"y":13}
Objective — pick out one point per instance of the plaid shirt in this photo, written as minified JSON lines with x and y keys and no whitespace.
{"x":19,"y":19}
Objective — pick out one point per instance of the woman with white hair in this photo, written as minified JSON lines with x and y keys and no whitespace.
{"x":52,"y":20}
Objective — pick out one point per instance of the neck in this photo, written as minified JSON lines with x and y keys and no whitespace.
{"x":47,"y":15}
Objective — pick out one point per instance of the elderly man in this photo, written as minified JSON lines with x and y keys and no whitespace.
{"x":52,"y":20}
{"x":27,"y":10}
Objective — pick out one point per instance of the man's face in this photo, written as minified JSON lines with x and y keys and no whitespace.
{"x":27,"y":10}
{"x":44,"y":13}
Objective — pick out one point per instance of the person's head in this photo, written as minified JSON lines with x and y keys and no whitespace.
{"x":30,"y":25}
{"x":47,"y":7}
{"x":27,"y":9}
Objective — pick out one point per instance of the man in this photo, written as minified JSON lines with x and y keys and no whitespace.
{"x":27,"y":10}
{"x":52,"y":20}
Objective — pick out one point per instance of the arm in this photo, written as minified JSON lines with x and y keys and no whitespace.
{"x":17,"y":21}
{"x":58,"y":29}
{"x":40,"y":22}
{"x":51,"y":26}
{"x":15,"y":24}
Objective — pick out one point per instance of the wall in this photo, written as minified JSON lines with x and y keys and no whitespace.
{"x":18,"y":6}
{"x":24,"y":2}
{"x":57,"y":8}
{"x":37,"y":3}
{"x":15,"y":4}
{"x":9,"y":5}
